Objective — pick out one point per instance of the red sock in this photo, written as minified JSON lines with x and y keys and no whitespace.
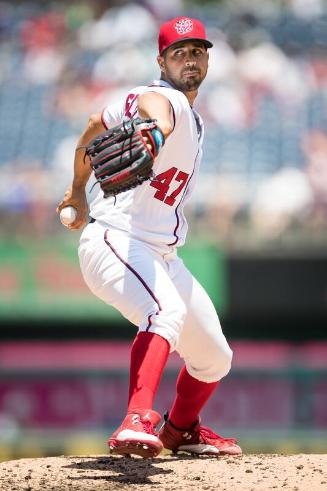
{"x":190,"y":399}
{"x":149,"y":355}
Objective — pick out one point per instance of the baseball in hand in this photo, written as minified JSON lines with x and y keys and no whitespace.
{"x":68,"y":215}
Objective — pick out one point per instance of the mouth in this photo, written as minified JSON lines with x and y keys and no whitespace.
{"x":191,"y":73}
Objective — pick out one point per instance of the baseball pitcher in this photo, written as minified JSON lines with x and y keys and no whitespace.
{"x":145,"y":152}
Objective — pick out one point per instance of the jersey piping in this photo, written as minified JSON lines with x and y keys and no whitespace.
{"x":176,"y":209}
{"x":137,"y":275}
{"x":200,"y":135}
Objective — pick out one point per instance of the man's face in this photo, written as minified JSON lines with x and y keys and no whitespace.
{"x":185,"y":64}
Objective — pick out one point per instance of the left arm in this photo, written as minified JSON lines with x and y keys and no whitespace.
{"x":156,"y":106}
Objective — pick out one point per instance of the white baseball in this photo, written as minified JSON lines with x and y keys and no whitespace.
{"x":68,"y":215}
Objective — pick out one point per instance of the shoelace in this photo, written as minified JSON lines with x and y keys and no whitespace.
{"x":148,"y":427}
{"x":146,"y":424}
{"x":206,"y":432}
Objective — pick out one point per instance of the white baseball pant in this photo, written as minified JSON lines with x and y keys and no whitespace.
{"x":154,"y":290}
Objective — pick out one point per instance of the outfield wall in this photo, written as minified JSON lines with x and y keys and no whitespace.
{"x":257,"y":295}
{"x":58,"y":394}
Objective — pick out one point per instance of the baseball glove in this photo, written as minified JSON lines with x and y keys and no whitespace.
{"x":120,"y":157}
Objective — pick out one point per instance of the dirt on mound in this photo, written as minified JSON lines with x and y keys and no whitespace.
{"x":98,"y":473}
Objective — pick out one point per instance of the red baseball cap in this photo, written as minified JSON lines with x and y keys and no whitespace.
{"x":180,"y":29}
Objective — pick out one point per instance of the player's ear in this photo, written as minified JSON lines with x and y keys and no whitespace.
{"x":161,"y":63}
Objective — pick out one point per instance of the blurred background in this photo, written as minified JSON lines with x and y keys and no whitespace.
{"x":258,"y":237}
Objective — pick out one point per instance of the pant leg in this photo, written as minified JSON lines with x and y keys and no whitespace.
{"x":202,"y":343}
{"x":133,"y":278}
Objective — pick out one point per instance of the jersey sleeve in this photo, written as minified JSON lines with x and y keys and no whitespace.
{"x":126,"y":107}
{"x":113,"y":114}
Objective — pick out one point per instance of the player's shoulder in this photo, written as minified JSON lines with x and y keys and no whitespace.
{"x":139,"y":89}
{"x":165,"y":89}
{"x":142,"y":89}
{"x":177,"y":99}
{"x":160,"y":87}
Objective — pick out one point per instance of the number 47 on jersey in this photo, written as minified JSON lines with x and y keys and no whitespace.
{"x":166,"y":181}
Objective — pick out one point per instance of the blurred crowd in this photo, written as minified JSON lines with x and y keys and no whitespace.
{"x":264,"y":102}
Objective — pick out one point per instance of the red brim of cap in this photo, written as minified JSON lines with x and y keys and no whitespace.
{"x":208,"y":44}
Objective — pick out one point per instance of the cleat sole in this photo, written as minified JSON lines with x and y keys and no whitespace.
{"x":134,"y":448}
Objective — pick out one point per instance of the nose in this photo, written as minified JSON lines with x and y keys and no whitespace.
{"x":190,"y":63}
{"x":191,"y":59}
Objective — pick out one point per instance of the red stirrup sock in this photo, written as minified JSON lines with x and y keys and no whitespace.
{"x":190,"y":399}
{"x":149,"y":355}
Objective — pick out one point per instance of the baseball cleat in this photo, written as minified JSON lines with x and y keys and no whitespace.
{"x":198,"y":440}
{"x":137,"y":436}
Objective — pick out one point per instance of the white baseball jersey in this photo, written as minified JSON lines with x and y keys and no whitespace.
{"x":153,"y":211}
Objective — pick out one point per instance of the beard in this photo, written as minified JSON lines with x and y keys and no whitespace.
{"x":187,"y":83}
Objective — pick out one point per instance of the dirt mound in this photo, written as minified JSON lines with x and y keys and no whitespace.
{"x":97,"y":473}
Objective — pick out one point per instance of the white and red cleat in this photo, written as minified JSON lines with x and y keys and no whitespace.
{"x":137,"y":435}
{"x":198,"y":440}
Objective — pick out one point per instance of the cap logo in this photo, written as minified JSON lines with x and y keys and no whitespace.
{"x":184,"y":26}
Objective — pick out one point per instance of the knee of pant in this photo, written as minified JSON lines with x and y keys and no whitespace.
{"x":220,"y":361}
{"x":217,"y":366}
{"x":223,"y":362}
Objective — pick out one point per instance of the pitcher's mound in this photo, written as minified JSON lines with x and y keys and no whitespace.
{"x":101,"y":472}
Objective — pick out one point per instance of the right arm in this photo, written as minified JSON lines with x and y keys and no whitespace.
{"x":75,"y":195}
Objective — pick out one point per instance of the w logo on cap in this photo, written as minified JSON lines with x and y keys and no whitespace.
{"x":180,"y":29}
{"x":184,"y":26}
